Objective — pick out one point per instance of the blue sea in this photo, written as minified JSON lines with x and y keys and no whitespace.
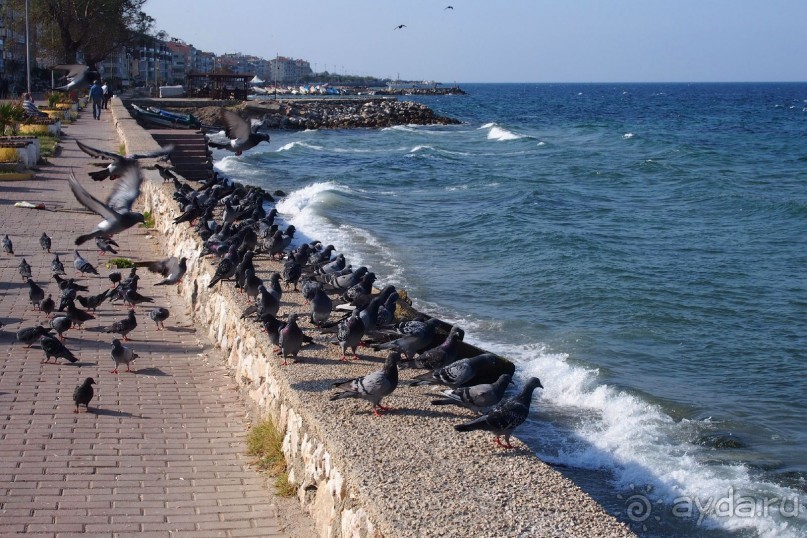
{"x":642,"y":248}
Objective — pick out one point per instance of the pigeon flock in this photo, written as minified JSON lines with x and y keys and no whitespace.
{"x":236,"y":231}
{"x":71,"y":303}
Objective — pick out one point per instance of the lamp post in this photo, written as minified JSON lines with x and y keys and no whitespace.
{"x":27,"y":51}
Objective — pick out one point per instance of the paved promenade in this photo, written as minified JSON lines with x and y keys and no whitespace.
{"x":162,"y":451}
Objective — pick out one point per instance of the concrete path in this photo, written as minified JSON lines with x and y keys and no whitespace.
{"x":162,"y":451}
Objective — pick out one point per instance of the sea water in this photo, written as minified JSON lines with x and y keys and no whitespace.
{"x":639,"y":247}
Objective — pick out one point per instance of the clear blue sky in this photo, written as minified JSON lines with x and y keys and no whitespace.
{"x":509,"y":40}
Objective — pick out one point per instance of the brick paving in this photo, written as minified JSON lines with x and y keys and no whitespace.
{"x":162,"y":452}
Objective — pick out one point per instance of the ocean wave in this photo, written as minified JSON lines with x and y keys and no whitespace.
{"x":495,"y":132}
{"x":300,"y":144}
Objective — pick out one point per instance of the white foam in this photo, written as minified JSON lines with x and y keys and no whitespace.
{"x":628,"y":136}
{"x":501,"y":134}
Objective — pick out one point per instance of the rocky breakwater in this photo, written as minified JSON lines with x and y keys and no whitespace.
{"x":405,"y":474}
{"x":331,"y":113}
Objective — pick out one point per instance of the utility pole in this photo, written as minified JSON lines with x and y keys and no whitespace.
{"x":27,"y":50}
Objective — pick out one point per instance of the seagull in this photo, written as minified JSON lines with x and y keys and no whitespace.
{"x":374,"y":386}
{"x":117,"y":211}
{"x":399,"y":27}
{"x":505,"y":417}
{"x":83,"y":394}
{"x":242,"y":135}
{"x":120,"y":164}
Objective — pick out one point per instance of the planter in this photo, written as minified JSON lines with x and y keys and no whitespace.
{"x":43,"y":128}
{"x":19,"y":149}
{"x":62,"y":106}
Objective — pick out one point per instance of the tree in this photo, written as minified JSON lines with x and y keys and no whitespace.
{"x":95,"y":28}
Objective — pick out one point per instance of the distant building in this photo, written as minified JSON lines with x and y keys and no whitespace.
{"x":287,"y":70}
{"x":12,"y":44}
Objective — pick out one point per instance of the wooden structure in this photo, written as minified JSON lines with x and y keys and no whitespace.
{"x":218,"y":85}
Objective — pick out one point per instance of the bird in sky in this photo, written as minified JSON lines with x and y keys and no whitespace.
{"x":449,"y":7}
{"x":399,"y":27}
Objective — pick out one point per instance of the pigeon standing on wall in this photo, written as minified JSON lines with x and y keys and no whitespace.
{"x":477,"y":398}
{"x":374,"y":386}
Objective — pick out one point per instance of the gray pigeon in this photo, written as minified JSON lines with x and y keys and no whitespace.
{"x":122,"y":355}
{"x":386,"y":312}
{"x":411,"y":344}
{"x":122,"y":165}
{"x":56,"y":266}
{"x":321,"y":306}
{"x":440,"y":356}
{"x":505,"y":417}
{"x":350,"y":333}
{"x":478,"y":398}
{"x":92,"y":302}
{"x":35,"y":294}
{"x":106,"y":244}
{"x":374,"y":386}
{"x":158,"y":316}
{"x":47,"y":305}
{"x":251,"y":283}
{"x":25,"y":270}
{"x":172,"y":270}
{"x":45,"y":242}
{"x":61,"y":324}
{"x":53,"y":347}
{"x":83,"y":394}
{"x":274,"y":286}
{"x":83,"y":266}
{"x":124,"y":326}
{"x":29,"y":335}
{"x":134,"y":298}
{"x":457,"y":374}
{"x":8,"y":246}
{"x":291,"y":339}
{"x":117,"y":211}
{"x":242,"y":135}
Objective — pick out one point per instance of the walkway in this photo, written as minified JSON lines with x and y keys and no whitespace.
{"x":162,"y":453}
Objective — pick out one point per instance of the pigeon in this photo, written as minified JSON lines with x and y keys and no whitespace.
{"x":29,"y":335}
{"x":121,"y":165}
{"x":61,"y":324}
{"x":440,"y":356}
{"x":399,"y":27}
{"x":251,"y":283}
{"x":45,"y":242}
{"x":47,"y":305}
{"x":78,"y":77}
{"x":122,"y":355}
{"x":292,"y":271}
{"x":291,"y":339}
{"x":53,"y":347}
{"x":374,"y":386}
{"x":349,"y":334}
{"x":165,"y":173}
{"x":106,"y":244}
{"x":412,"y":343}
{"x":65,"y":297}
{"x":83,"y":266}
{"x":56,"y":266}
{"x":241,"y":134}
{"x":225,"y":270}
{"x":124,"y":326}
{"x":115,"y":277}
{"x":134,"y":298}
{"x":275,"y":246}
{"x":35,"y":294}
{"x":78,"y":315}
{"x":69,"y":283}
{"x":321,"y":306}
{"x":505,"y":417}
{"x":457,"y":374}
{"x":25,"y":270}
{"x":265,"y":304}
{"x":8,"y":246}
{"x":92,"y":302}
{"x":274,"y":286}
{"x":83,"y":394}
{"x":172,"y":269}
{"x":117,"y":211}
{"x":477,"y":398}
{"x":158,"y":316}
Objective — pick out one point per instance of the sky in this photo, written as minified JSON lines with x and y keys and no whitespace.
{"x":508,"y":40}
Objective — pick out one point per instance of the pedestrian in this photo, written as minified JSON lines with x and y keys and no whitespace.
{"x":30,"y":107}
{"x":109,"y":95}
{"x":105,"y":96}
{"x":96,"y":95}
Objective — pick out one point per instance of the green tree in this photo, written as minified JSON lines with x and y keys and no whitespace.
{"x":95,"y":28}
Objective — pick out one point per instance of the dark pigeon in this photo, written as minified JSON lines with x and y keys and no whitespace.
{"x":25,"y":270}
{"x":47,"y":305}
{"x":53,"y":347}
{"x":158,"y":316}
{"x":29,"y":335}
{"x":349,"y":334}
{"x":35,"y":294}
{"x":56,"y":266}
{"x":83,"y":394}
{"x":124,"y":326}
{"x":45,"y":242}
{"x":457,"y":374}
{"x":477,"y":398}
{"x":291,"y":339}
{"x":412,"y":343}
{"x":442,"y":355}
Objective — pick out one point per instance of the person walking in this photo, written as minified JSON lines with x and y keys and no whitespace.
{"x":96,"y":95}
{"x":105,"y":97}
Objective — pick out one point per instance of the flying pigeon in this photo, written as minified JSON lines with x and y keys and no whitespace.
{"x":122,"y":355}
{"x":29,"y":335}
{"x":124,"y":326}
{"x":53,"y":347}
{"x":83,"y":266}
{"x":478,"y":398}
{"x":45,"y":242}
{"x":172,"y":269}
{"x":158,"y":316}
{"x":242,"y":135}
{"x":121,"y":164}
{"x":78,"y":76}
{"x":374,"y":386}
{"x":117,"y":211}
{"x":83,"y":394}
{"x":400,"y":26}
{"x":505,"y":417}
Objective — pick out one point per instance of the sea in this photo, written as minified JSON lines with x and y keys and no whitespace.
{"x":641,"y":248}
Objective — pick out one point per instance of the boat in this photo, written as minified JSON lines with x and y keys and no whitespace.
{"x":164,"y":118}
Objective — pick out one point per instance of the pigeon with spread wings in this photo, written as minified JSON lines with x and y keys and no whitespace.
{"x":117,"y":211}
{"x":78,"y":76}
{"x":242,"y":135}
{"x":120,"y":163}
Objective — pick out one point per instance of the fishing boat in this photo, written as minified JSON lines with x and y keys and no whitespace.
{"x":164,"y":118}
